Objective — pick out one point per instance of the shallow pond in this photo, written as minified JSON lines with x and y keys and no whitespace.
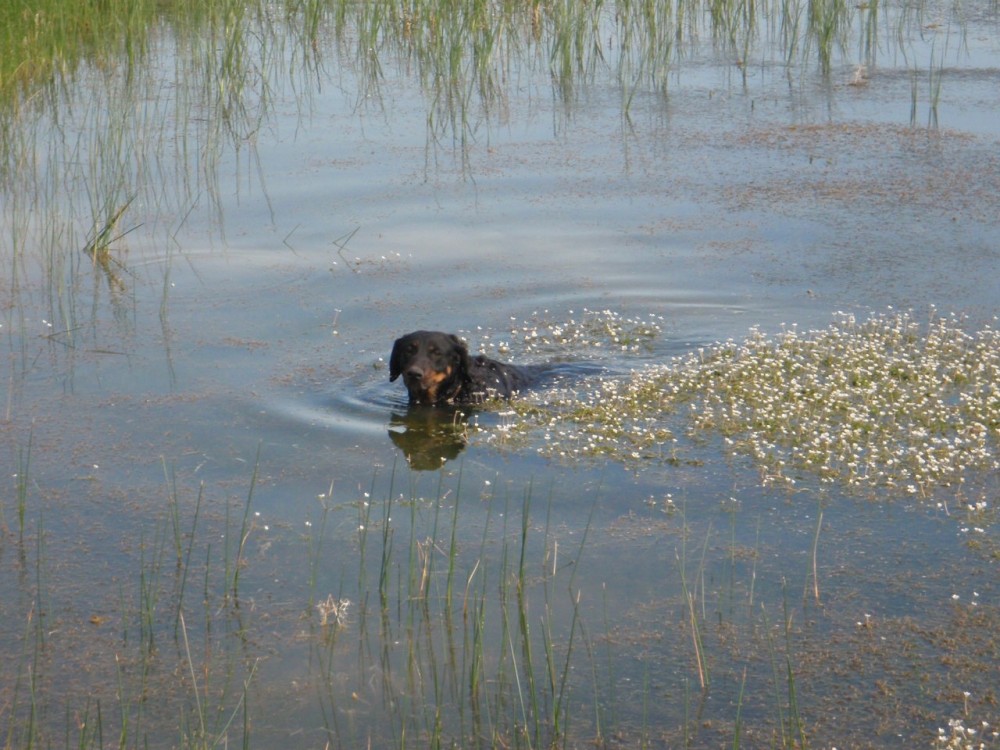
{"x":223,"y":523}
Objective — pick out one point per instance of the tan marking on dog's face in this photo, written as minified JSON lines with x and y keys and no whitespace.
{"x":431,"y":381}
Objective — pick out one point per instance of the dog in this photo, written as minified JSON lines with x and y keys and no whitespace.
{"x":437,"y":369}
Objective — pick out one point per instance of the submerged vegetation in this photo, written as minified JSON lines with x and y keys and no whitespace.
{"x":469,"y":616}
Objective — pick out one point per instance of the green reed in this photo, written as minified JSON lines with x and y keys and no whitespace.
{"x":797,"y":725}
{"x":86,"y":68}
{"x":246,"y":527}
{"x":185,"y":567}
{"x":202,"y":735}
{"x":792,"y":725}
{"x":739,"y":711}
{"x":124,"y":703}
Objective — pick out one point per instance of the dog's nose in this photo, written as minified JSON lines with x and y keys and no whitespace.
{"x":414,"y":373}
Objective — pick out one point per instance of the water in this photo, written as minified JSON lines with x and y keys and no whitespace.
{"x":226,"y":408}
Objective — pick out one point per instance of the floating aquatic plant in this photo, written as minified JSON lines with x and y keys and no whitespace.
{"x":589,"y":331}
{"x":964,"y":735}
{"x":887,"y":402}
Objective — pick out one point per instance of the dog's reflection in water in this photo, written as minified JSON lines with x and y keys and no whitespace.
{"x":429,"y":435}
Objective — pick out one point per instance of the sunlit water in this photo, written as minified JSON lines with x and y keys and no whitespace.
{"x":245,"y":357}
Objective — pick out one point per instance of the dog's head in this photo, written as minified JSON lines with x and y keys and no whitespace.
{"x":433,"y":365}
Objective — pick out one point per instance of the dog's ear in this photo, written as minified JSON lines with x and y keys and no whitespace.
{"x":461,"y":352}
{"x":396,"y":360}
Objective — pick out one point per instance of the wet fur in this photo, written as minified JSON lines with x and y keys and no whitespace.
{"x":436,"y":369}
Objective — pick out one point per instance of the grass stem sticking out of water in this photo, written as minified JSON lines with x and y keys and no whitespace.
{"x":753,"y":572}
{"x":453,"y":546}
{"x":18,"y":734}
{"x":522,"y":613}
{"x":739,"y":711}
{"x":200,"y":714}
{"x":796,"y":727}
{"x":385,"y":565}
{"x":187,"y":558}
{"x":815,"y":548}
{"x":778,"y":703}
{"x":246,"y":526}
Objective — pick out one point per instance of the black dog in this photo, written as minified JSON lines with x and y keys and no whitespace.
{"x":437,"y":369}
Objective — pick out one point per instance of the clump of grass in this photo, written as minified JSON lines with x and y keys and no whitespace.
{"x":887,"y":402}
{"x":49,"y":38}
{"x":98,"y":247}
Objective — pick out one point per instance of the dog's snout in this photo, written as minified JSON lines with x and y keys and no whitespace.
{"x":413,"y":373}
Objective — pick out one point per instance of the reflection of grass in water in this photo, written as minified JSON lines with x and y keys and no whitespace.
{"x":92,"y":69}
{"x":230,"y":56}
{"x":88,"y":136}
{"x":97,"y":62}
{"x":880,"y":403}
{"x":465,"y":52}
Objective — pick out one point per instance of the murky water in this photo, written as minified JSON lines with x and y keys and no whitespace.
{"x":204,"y":446}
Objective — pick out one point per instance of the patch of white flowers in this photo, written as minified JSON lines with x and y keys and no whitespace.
{"x":887,"y":402}
{"x":962,"y":736}
{"x":588,"y":332}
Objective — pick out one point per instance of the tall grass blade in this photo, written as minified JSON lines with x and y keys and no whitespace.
{"x":245,"y":529}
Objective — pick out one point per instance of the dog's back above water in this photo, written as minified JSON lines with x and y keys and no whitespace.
{"x":437,"y":369}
